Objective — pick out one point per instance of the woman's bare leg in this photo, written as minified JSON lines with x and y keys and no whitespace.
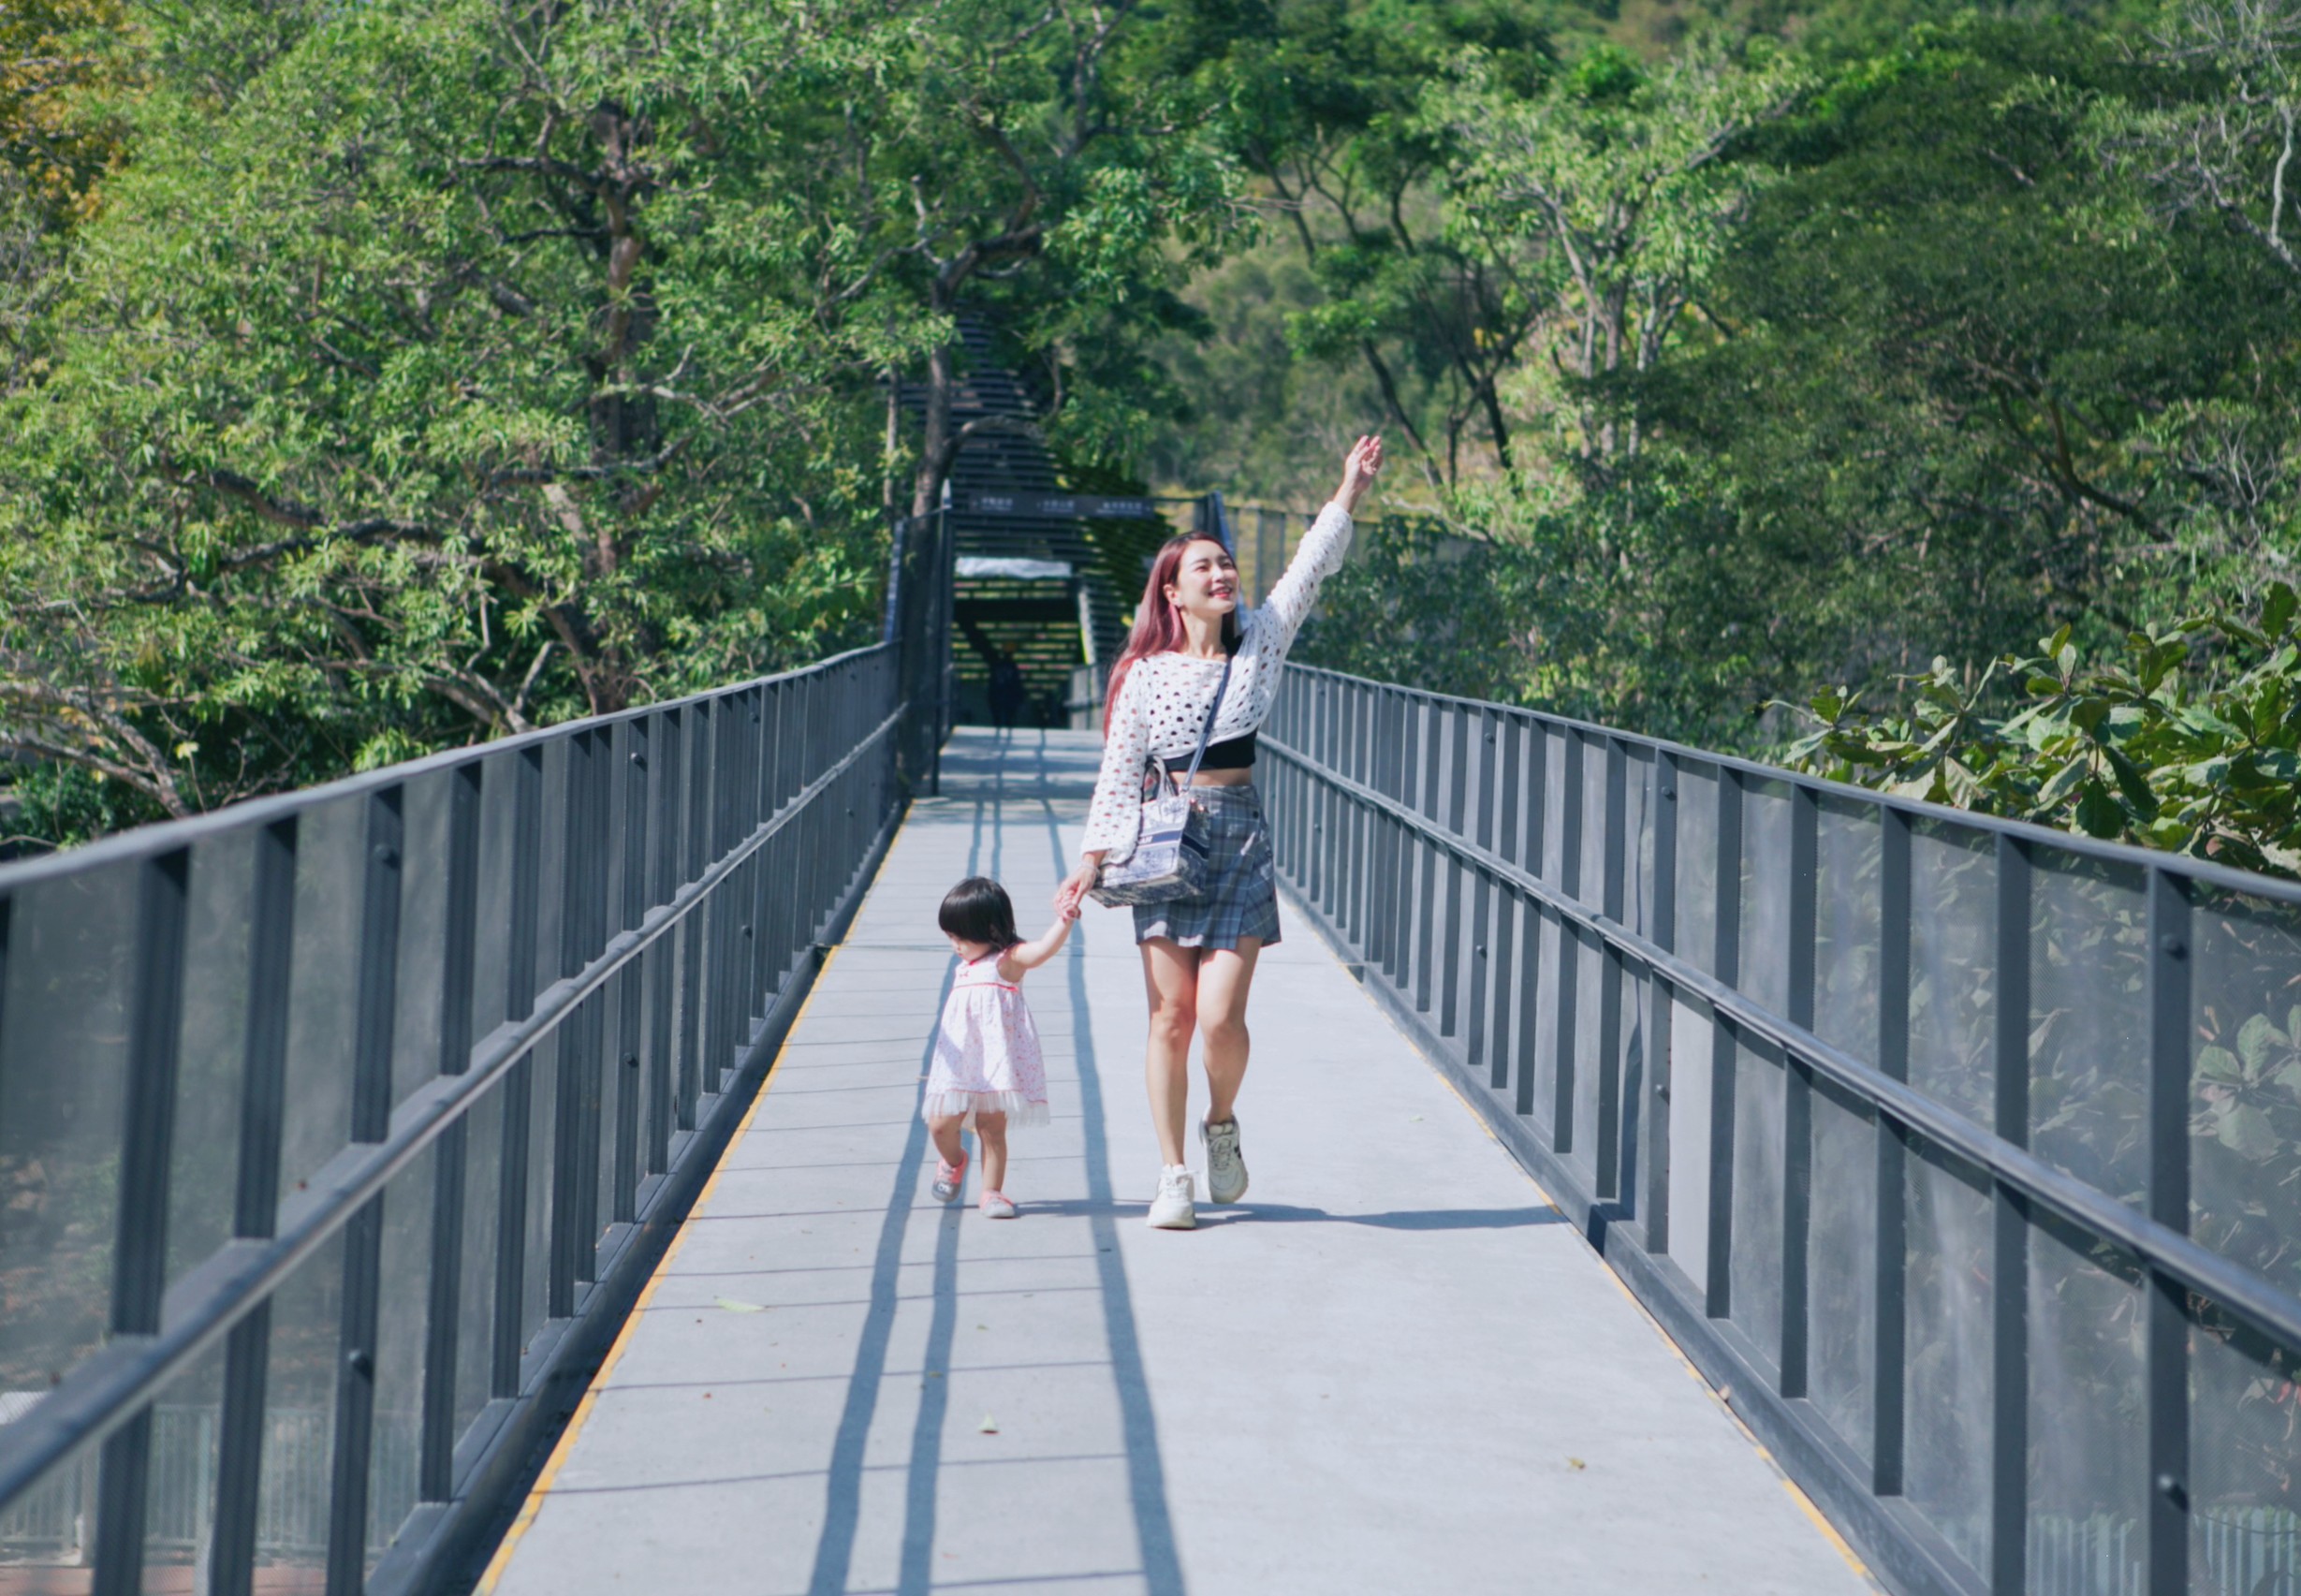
{"x":990,"y":1137}
{"x":1170,"y":977}
{"x":1224,"y":978}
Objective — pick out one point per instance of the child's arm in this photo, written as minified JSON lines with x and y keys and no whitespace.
{"x":1030,"y":955}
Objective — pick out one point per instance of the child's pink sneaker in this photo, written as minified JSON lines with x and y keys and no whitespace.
{"x":949,"y":1177}
{"x":995,"y":1205}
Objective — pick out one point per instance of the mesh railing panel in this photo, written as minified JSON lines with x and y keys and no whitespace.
{"x":1960,"y":1153}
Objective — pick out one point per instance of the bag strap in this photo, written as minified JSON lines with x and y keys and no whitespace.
{"x":1208,"y":730}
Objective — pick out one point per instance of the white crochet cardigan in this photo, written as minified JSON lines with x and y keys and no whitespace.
{"x":1163,"y":702}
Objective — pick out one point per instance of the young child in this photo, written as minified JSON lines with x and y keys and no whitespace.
{"x":988,"y":1069}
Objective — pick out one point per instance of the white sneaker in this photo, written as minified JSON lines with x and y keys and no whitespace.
{"x":1172,"y":1209}
{"x":1226,"y":1170}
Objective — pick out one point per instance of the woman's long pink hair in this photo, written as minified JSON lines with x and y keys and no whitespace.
{"x":1158,"y":623}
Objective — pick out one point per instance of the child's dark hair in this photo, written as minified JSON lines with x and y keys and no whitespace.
{"x":977,"y":910}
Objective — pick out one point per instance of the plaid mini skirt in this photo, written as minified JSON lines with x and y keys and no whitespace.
{"x":1242,"y":898}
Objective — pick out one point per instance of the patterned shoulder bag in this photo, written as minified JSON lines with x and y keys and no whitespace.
{"x":1172,"y":840}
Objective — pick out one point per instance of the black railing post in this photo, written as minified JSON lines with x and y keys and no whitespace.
{"x":2171,"y":942}
{"x":363,"y":1238}
{"x":519,"y":1082}
{"x":1528,"y":1064}
{"x":444,"y":1315}
{"x":1661,"y":1000}
{"x":1889,"y":1371}
{"x":1798,"y":1087}
{"x":1568,"y":977}
{"x":239,"y":1441}
{"x":1723,"y":1050}
{"x":1481,"y":903}
{"x":1613,"y":867}
{"x":2010,"y":1289}
{"x":139,"y":1246}
{"x":1456,"y":723}
{"x":1509,"y":731}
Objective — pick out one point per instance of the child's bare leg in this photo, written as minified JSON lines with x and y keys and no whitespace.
{"x":944,"y":1128}
{"x":991,"y":1132}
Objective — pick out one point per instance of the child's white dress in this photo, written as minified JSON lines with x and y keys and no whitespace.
{"x":986,"y":1056}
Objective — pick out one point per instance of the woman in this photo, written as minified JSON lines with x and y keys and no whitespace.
{"x":1198,"y":953}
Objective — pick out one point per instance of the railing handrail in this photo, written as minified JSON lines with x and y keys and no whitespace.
{"x":2271,"y":1310}
{"x":199,"y":1309}
{"x":629,"y":906}
{"x":164,"y":836}
{"x":1731,"y":1016}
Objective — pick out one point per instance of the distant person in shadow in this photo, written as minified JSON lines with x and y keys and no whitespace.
{"x":1009,"y":694}
{"x":1198,"y":953}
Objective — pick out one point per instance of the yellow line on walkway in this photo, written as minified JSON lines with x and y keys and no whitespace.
{"x":501,"y":1562}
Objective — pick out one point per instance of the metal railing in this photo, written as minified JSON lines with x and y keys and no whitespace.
{"x":1964,"y":1156}
{"x":339,"y":1130}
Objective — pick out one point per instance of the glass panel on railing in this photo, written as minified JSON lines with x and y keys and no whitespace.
{"x":63,"y":1040}
{"x":1842,"y":1277}
{"x":300,"y":1400}
{"x":1845,"y":955}
{"x":1760,"y":1132}
{"x":552,"y":862}
{"x":1690,"y":1120}
{"x":204,"y":1150}
{"x":47,"y":1533}
{"x":1553,"y":804}
{"x":403,"y":1299}
{"x":180,"y":1492}
{"x":1947,"y":1346}
{"x":1594,"y":821}
{"x":1766,"y":894}
{"x":491,"y":950}
{"x":2245,"y":1103}
{"x":1697,"y":866}
{"x":1638,"y":894}
{"x":2089,"y":1020}
{"x":542,"y":1148}
{"x":1589,"y":1032}
{"x":2088,"y":1431}
{"x":423,"y":936}
{"x":2245,"y":1462}
{"x":474,"y":1328}
{"x":331,"y":846}
{"x":1952,"y":967}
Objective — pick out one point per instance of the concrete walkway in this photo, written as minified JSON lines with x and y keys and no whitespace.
{"x":1391,"y":1369}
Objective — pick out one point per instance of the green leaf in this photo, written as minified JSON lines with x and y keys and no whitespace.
{"x":2097,"y":813}
{"x":2254,"y":1039}
{"x":2246,"y":1130}
{"x":2131,"y":783}
{"x":2218,"y":1063}
{"x":2278,"y":608}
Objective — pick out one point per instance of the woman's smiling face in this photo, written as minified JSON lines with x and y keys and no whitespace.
{"x":1206,"y":582}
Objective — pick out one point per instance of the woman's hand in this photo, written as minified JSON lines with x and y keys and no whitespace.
{"x":1359,"y":469}
{"x":1075,"y":887}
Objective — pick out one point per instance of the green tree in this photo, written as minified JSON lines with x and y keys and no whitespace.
{"x":477,"y":364}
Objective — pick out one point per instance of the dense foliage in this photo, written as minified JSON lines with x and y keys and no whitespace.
{"x":2190,"y":741}
{"x":435,"y":368}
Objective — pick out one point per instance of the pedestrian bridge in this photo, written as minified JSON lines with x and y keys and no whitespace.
{"x":1670,"y":1174}
{"x":834,"y":1383}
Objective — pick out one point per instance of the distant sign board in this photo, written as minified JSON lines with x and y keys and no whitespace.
{"x":1059,"y":506}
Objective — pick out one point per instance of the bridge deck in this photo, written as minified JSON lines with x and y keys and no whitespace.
{"x":1391,"y":1369}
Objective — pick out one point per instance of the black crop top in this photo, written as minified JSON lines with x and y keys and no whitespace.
{"x":1231,"y":753}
